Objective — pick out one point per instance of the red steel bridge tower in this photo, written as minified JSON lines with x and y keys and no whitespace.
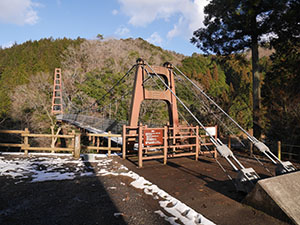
{"x":57,"y":106}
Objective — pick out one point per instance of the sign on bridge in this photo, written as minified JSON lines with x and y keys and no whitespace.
{"x":153,"y":137}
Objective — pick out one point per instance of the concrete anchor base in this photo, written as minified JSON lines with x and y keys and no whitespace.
{"x":278,"y":196}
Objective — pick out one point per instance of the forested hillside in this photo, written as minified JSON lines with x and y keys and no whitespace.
{"x":19,"y":62}
{"x":91,"y":67}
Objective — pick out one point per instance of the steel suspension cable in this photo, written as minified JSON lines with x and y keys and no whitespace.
{"x":181,"y":102}
{"x":109,"y":91}
{"x":117,"y":83}
{"x":215,"y":142}
{"x":220,"y":165}
{"x":118,"y":99}
{"x":207,"y":108}
{"x":69,"y":102}
{"x":251,"y":138}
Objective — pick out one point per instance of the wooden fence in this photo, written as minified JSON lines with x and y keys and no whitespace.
{"x":95,"y":145}
{"x":73,"y":147}
{"x":161,"y":143}
{"x":15,"y":132}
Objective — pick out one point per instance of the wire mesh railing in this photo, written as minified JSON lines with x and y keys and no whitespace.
{"x":95,"y":123}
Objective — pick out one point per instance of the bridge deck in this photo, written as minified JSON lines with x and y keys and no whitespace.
{"x":94,"y":125}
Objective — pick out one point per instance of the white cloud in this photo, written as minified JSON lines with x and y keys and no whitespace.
{"x":176,"y":28}
{"x":155,"y":38}
{"x":18,"y":12}
{"x":8,"y":44}
{"x":115,"y":12}
{"x":122,"y":31}
{"x":189,"y":12}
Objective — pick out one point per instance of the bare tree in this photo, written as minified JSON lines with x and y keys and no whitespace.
{"x":31,"y":102}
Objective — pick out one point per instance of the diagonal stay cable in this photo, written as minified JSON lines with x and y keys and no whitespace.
{"x":209,"y":110}
{"x":251,"y":138}
{"x":115,"y":100}
{"x":216,"y":143}
{"x":220,"y":165}
{"x":116,"y":84}
{"x":110,"y":90}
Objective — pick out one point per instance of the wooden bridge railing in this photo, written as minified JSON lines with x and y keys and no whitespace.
{"x":74,"y":147}
{"x":95,"y":145}
{"x":160,"y":143}
{"x":13,"y":145}
{"x":74,"y":142}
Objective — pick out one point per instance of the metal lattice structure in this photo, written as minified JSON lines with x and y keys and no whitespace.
{"x":57,"y":106}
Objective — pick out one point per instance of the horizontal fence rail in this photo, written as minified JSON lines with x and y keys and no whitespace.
{"x":24,"y":145}
{"x":15,"y":132}
{"x":165,"y":142}
{"x":73,"y":140}
{"x":96,"y":142}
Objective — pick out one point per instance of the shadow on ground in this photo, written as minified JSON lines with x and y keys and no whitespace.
{"x":82,"y":200}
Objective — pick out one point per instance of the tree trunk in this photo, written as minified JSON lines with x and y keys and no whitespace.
{"x":256,"y":89}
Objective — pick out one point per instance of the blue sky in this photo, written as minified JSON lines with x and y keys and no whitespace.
{"x":166,"y":23}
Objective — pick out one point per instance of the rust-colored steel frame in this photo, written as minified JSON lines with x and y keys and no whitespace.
{"x":140,"y":93}
{"x":177,"y":140}
{"x":57,"y":106}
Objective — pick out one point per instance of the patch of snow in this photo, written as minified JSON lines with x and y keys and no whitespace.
{"x":14,"y":169}
{"x":118,"y":214}
{"x":112,"y":188}
{"x":87,"y":174}
{"x":51,"y":168}
{"x":42,"y":168}
{"x":178,"y":210}
{"x":37,"y":154}
{"x":46,"y":176}
{"x":171,"y":220}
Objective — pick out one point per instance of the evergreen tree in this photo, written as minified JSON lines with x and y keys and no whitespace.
{"x":19,"y":62}
{"x":281,"y":90}
{"x":235,"y":25}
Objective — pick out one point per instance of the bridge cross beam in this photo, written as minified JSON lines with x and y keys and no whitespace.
{"x":140,"y":93}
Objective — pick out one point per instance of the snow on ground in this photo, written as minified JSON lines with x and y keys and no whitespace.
{"x":39,"y":169}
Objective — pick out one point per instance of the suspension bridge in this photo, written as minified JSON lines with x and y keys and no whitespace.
{"x":178,"y":137}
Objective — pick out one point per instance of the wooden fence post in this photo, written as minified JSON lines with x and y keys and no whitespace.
{"x":165,"y":144}
{"x":77,"y":146}
{"x":251,"y":149}
{"x":98,"y":144}
{"x":26,"y":142}
{"x":93,"y":139}
{"x":124,"y":142}
{"x":140,"y":146}
{"x":109,"y":143}
{"x":197,"y":143}
{"x":73,"y":139}
{"x":279,"y":149}
{"x":216,"y":137}
{"x":52,"y":139}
